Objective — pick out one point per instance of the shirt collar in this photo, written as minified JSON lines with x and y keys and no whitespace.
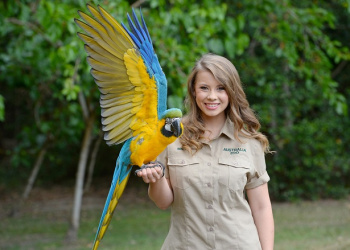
{"x":228,"y":129}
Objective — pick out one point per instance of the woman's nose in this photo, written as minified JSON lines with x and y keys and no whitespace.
{"x":212,"y":95}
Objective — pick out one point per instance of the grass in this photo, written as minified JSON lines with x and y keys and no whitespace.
{"x":138,"y":224}
{"x":312,"y":225}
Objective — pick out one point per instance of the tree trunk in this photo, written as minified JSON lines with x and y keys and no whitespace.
{"x":79,"y":183}
{"x":35,"y":171}
{"x":39,"y":160}
{"x":93,"y":161}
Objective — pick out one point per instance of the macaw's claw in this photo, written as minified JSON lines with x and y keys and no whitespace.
{"x":154,"y":164}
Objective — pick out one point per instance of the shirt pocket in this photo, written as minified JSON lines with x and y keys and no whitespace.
{"x":233,"y":173}
{"x":183,"y":172}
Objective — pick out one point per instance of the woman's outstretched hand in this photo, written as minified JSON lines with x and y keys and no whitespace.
{"x":150,"y":173}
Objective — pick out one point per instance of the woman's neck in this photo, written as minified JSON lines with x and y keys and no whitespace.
{"x":213,"y":126}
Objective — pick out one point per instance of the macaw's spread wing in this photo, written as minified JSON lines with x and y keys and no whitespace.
{"x":127,"y":72}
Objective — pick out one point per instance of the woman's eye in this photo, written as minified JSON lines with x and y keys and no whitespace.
{"x":221,"y":88}
{"x":203,"y":88}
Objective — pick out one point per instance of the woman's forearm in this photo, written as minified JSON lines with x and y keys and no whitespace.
{"x":260,"y":205}
{"x":160,"y":193}
{"x":265,"y":225}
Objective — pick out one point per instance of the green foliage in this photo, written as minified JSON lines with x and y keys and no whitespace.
{"x":288,"y":73}
{"x":41,"y":58}
{"x":292,"y":58}
{"x":2,"y":108}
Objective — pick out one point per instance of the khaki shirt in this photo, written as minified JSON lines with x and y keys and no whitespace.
{"x":209,"y":210}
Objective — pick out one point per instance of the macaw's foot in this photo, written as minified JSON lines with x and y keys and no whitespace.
{"x":152,"y":164}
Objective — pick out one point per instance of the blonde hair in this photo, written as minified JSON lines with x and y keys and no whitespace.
{"x":245,"y":122}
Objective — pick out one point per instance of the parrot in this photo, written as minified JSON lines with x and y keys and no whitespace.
{"x":133,"y":96}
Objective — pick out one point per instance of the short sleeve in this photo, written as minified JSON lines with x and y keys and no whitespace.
{"x":259,"y":175}
{"x":163,"y":159}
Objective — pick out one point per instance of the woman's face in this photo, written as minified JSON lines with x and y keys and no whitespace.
{"x":211,"y":96}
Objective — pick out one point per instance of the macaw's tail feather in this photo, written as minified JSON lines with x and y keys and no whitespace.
{"x":109,"y":207}
{"x":120,"y":178}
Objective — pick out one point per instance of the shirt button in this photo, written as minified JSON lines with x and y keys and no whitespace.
{"x":209,"y":164}
{"x":210,"y":207}
{"x":208,"y":184}
{"x":182,"y":162}
{"x":211,"y":229}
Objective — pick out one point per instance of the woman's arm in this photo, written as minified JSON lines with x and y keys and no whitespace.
{"x":260,"y":204}
{"x":159,"y":190}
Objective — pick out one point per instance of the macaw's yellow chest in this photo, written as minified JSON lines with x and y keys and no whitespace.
{"x":146,"y":147}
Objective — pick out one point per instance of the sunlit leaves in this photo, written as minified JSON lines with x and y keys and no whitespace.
{"x":70,"y":90}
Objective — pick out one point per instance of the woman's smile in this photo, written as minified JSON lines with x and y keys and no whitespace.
{"x":212,"y":106}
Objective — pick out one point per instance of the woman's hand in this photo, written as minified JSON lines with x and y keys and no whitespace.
{"x":151,"y":173}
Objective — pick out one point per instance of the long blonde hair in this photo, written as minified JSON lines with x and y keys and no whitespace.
{"x":245,"y":122}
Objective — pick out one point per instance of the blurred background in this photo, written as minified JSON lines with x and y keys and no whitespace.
{"x":55,"y":169}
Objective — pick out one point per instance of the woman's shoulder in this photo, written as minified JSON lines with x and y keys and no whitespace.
{"x":174,"y":147}
{"x":253,"y":143}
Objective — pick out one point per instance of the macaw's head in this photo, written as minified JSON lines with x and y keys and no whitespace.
{"x":172,"y":123}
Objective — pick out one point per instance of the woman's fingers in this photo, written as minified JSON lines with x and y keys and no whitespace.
{"x":150,"y":174}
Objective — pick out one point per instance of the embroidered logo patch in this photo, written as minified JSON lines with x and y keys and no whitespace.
{"x":180,"y":149}
{"x":235,"y":150}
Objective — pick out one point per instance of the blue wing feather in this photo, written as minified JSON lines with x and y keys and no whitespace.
{"x":132,"y":34}
{"x":144,"y":26}
{"x":145,"y":47}
{"x":134,"y":17}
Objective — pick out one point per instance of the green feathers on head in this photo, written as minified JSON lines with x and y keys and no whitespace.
{"x":172,"y":113}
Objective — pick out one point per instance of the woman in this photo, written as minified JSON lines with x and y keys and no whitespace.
{"x":218,"y":161}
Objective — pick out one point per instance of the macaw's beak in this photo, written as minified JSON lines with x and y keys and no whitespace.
{"x":176,"y":127}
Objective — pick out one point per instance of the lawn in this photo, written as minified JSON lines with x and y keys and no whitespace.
{"x":138,"y":224}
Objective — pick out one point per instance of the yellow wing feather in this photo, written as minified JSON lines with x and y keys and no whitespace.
{"x":117,"y":27}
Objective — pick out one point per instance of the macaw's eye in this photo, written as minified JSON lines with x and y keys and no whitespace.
{"x":167,"y":125}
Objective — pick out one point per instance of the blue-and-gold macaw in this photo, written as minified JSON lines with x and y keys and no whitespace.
{"x":133,"y":97}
